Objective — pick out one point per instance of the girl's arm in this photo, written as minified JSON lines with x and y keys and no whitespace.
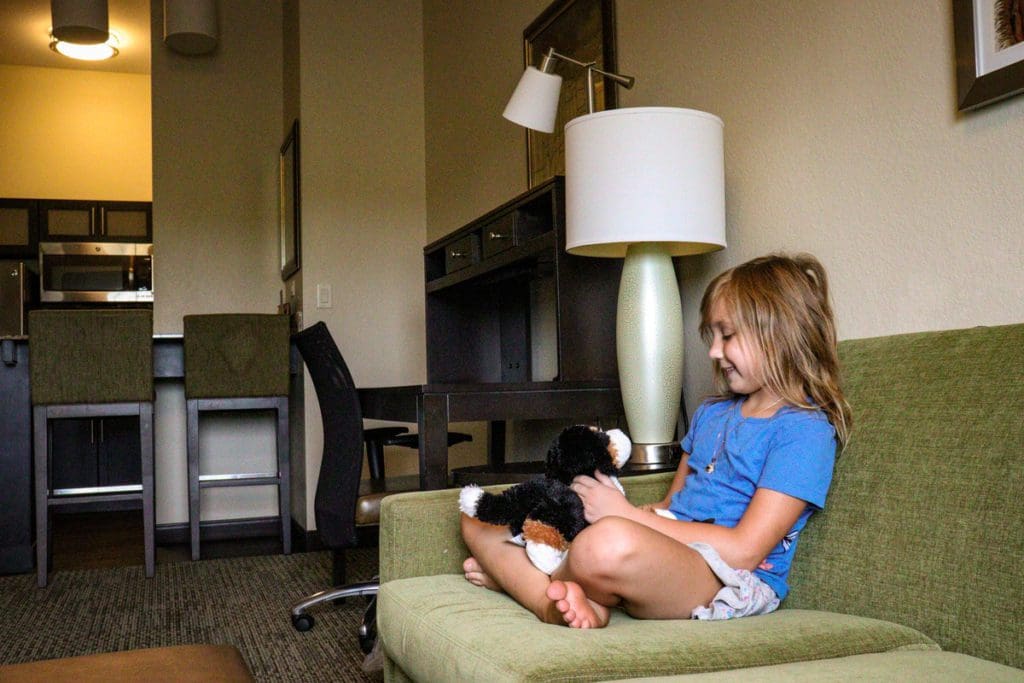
{"x":677,"y":485}
{"x":767,"y":519}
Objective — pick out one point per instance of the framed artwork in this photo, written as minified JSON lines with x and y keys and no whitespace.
{"x":989,"y":37}
{"x":585,"y":31}
{"x":290,"y":232}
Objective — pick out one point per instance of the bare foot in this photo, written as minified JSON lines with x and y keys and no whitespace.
{"x":578,"y":611}
{"x":476,"y":575}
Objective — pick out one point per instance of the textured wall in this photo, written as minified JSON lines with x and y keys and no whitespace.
{"x":842,"y":139}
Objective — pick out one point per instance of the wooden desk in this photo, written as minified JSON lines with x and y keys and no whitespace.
{"x":433,"y":406}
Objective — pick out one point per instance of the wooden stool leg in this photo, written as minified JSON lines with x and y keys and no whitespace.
{"x":192,"y":448}
{"x":42,"y":491}
{"x":148,"y":484}
{"x":284,"y":475}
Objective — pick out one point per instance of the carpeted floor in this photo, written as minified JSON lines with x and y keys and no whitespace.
{"x":242,"y":601}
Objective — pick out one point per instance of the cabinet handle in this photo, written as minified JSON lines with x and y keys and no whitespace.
{"x":498,"y":235}
{"x":458,"y":254}
{"x":101,"y":229}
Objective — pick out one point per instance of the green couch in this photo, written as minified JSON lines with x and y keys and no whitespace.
{"x":913,"y":572}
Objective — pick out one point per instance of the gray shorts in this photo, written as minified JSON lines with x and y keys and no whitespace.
{"x":743,"y":595}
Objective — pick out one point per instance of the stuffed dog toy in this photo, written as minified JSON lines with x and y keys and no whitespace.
{"x":544,"y":514}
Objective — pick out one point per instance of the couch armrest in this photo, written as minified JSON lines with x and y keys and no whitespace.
{"x":419,"y":532}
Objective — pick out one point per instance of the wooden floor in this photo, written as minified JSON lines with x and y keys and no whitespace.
{"x":100,"y":540}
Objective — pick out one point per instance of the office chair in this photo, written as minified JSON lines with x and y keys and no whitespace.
{"x":343,"y":504}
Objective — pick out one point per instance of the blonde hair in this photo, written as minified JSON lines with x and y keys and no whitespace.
{"x":780,"y":306}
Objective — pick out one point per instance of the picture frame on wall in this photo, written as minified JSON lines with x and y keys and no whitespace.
{"x":585,"y":31}
{"x":290,"y":231}
{"x":989,"y":39}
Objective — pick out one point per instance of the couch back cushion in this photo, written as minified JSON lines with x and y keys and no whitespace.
{"x":923,"y":523}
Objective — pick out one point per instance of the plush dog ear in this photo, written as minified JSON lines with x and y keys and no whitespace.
{"x":620,"y":447}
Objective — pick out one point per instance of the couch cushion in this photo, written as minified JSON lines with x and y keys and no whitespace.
{"x":923,"y":521}
{"x":177,"y":664}
{"x":888,"y":666}
{"x":443,"y":628}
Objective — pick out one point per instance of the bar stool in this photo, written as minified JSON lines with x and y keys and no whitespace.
{"x":88,"y":363}
{"x":237,"y":362}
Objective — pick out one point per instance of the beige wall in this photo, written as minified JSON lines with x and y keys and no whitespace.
{"x":473,"y":55}
{"x":69,"y":134}
{"x":216,"y":134}
{"x":363,"y":213}
{"x":842,"y":139}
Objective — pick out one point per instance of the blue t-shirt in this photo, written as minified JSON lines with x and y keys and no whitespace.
{"x":791,"y":452}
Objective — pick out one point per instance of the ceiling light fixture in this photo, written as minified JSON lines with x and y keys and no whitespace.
{"x":94,"y":52}
{"x":81,"y":30}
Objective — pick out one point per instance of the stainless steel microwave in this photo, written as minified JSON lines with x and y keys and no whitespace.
{"x":98,"y":272}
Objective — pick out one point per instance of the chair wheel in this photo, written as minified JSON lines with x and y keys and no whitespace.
{"x":302,"y":622}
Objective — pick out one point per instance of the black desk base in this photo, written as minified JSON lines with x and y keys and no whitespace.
{"x":433,"y":406}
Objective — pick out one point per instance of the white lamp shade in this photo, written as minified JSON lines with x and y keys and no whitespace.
{"x":645,"y":174}
{"x":80,"y":21}
{"x":190,"y":26}
{"x":534,"y":103}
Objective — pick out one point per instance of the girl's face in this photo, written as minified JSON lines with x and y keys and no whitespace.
{"x":737,"y":359}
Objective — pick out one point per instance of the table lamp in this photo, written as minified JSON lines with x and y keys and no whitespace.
{"x":646,"y":184}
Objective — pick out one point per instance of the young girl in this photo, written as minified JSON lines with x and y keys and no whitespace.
{"x":757,"y":462}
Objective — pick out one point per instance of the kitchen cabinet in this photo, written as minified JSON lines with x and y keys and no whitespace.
{"x":96,"y":452}
{"x":89,"y":221}
{"x":19,"y":228}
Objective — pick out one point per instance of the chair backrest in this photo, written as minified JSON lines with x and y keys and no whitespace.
{"x":236,"y":355}
{"x":91,"y":356}
{"x":337,"y":487}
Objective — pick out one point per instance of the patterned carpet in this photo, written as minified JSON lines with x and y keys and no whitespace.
{"x":242,"y":601}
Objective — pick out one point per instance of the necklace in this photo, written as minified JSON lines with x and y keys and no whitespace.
{"x":729,"y":427}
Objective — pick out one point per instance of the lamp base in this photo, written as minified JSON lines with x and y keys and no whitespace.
{"x":654,"y":456}
{"x":649,"y":345}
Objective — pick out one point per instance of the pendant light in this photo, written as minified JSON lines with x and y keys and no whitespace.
{"x":81,"y":29}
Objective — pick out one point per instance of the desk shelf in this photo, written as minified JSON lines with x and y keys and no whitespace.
{"x":500,"y":287}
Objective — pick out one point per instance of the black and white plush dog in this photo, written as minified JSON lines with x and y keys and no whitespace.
{"x":544,"y":514}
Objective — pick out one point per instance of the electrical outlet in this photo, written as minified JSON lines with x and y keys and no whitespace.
{"x":323,"y":296}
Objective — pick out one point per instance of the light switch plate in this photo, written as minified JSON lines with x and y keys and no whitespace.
{"x":323,"y":296}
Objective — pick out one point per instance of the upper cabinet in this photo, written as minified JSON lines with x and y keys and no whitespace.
{"x":19,"y":228}
{"x":86,"y":221}
{"x":505,"y":303}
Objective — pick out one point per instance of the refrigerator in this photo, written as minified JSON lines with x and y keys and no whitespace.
{"x":15,"y":291}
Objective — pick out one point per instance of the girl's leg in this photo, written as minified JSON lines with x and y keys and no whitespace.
{"x":507,"y":566}
{"x":616,"y":562}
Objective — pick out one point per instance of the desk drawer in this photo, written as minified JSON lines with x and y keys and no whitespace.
{"x":462,"y":253}
{"x":499,"y":235}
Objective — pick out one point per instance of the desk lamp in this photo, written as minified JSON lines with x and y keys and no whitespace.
{"x":647,"y":184}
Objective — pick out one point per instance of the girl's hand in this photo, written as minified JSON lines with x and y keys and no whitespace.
{"x":600,"y":497}
{"x":660,"y":505}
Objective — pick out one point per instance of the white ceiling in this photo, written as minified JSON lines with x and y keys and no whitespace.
{"x":25,"y":30}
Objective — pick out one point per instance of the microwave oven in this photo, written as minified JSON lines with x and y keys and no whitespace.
{"x":96,"y":272}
